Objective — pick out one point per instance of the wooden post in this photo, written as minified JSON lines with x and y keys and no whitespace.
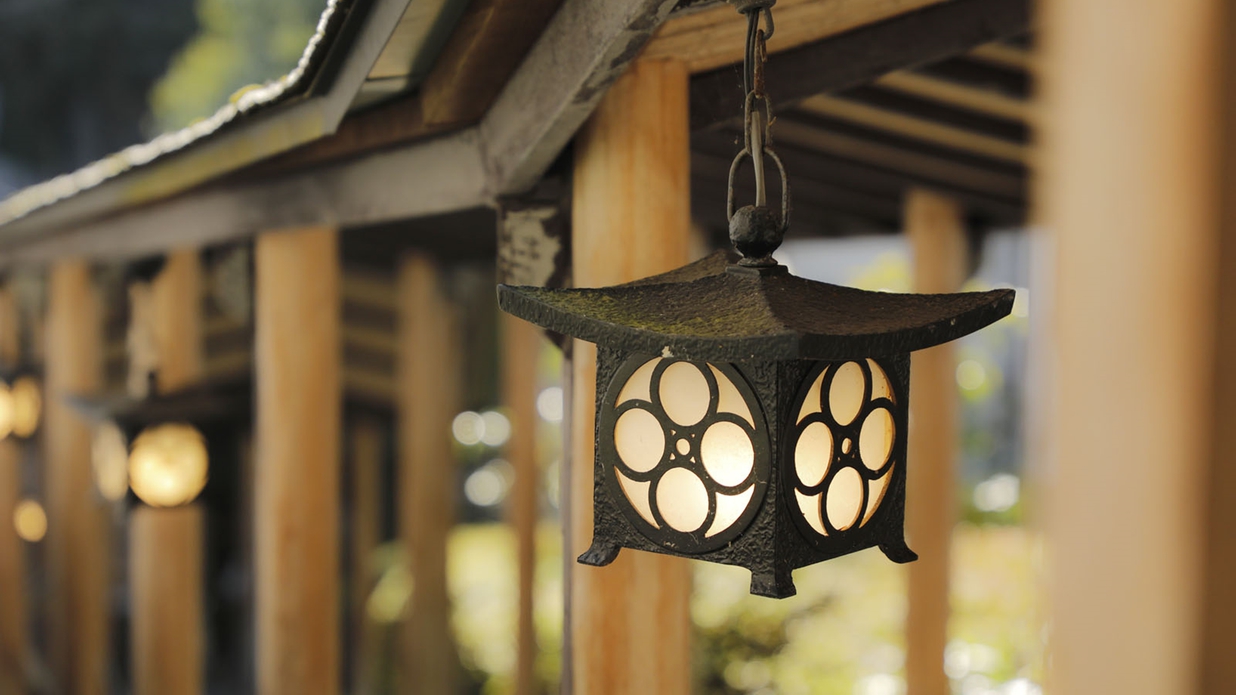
{"x":1141,"y":338}
{"x":521,"y":343}
{"x":365,"y":469}
{"x":428,"y":398}
{"x":936,"y":231}
{"x":629,"y":622}
{"x":165,"y":545}
{"x":78,"y":538}
{"x":296,"y":477}
{"x":13,"y":614}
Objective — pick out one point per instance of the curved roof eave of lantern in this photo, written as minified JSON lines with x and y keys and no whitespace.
{"x":713,"y":310}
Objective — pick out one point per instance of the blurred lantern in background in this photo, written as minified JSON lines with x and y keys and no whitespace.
{"x":21,"y":405}
{"x":746,"y":416}
{"x":172,"y":437}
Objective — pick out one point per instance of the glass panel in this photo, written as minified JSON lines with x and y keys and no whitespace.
{"x":639,"y":439}
{"x":729,"y":508}
{"x":684,"y":393}
{"x":881,"y":387}
{"x":875,"y":440}
{"x":682,"y":500}
{"x":638,"y":385}
{"x":729,"y":400}
{"x":813,"y":453}
{"x":168,"y":464}
{"x":109,"y":454}
{"x":845,"y":499}
{"x":876,"y":495}
{"x":810,"y":507}
{"x":727,"y":453}
{"x":845,"y":397}
{"x":637,"y":495}
{"x":811,"y":403}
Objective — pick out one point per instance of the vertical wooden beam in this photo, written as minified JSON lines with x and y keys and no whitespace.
{"x":1128,"y":196}
{"x":428,"y":398}
{"x":296,"y":477}
{"x":165,"y":545}
{"x":630,"y":621}
{"x":521,"y":346}
{"x":13,"y":614}
{"x":935,"y":227}
{"x":365,"y":469}
{"x":78,"y":538}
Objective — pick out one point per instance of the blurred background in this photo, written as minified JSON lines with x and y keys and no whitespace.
{"x":80,"y":80}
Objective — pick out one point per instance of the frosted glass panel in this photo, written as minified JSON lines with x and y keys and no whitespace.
{"x":637,"y":495}
{"x":639,"y":439}
{"x":876,"y":495}
{"x":845,"y":396}
{"x":875,"y":440}
{"x":845,"y":499}
{"x":881,"y":387}
{"x":682,"y":500}
{"x":729,"y":508}
{"x":813,"y":454}
{"x":729,"y":400}
{"x":810,"y":507}
{"x":727,"y":453}
{"x":811,"y":403}
{"x":638,"y":386}
{"x":684,"y":393}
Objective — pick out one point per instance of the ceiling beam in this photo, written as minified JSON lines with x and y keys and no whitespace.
{"x":714,"y":37}
{"x":959,"y":96}
{"x":861,"y":55}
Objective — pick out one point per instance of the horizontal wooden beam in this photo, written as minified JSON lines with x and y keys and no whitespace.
{"x":861,"y":55}
{"x":711,"y":38}
{"x":959,"y":96}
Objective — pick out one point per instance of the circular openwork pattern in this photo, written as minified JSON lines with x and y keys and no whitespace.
{"x":689,"y":450}
{"x":840,"y":452}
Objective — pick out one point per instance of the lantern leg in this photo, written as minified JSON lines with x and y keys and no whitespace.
{"x":898,"y":552}
{"x":774,"y":582}
{"x":601,"y":553}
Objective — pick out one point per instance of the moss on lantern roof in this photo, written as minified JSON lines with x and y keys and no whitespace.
{"x":713,"y":310}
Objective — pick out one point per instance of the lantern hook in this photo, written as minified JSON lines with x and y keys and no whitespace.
{"x":756,"y":230}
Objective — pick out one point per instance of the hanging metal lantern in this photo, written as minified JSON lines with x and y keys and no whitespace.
{"x":744,"y":415}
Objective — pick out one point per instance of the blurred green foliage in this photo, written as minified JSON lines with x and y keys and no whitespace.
{"x":239,"y":43}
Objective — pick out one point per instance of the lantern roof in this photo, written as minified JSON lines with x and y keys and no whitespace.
{"x":200,"y":404}
{"x":717,"y":310}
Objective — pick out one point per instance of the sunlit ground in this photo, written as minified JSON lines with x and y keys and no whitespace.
{"x":841,"y":635}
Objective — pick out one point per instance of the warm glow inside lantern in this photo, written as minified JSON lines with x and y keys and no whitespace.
{"x":21,"y":404}
{"x":750,"y":417}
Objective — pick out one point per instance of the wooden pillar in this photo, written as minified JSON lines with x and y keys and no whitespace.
{"x":365,"y":470}
{"x":935,"y":227}
{"x":630,"y":621}
{"x":78,"y":538}
{"x":296,"y":476}
{"x":1137,"y":131}
{"x":521,"y":346}
{"x":428,"y":398}
{"x":165,"y":545}
{"x":13,"y":614}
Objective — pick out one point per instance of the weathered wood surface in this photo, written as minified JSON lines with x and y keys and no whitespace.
{"x":1136,"y":131}
{"x":935,"y":226}
{"x":165,"y":545}
{"x":78,"y":525}
{"x":14,"y":615}
{"x":521,"y":347}
{"x":629,"y":621}
{"x":428,"y":383}
{"x":296,"y":480}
